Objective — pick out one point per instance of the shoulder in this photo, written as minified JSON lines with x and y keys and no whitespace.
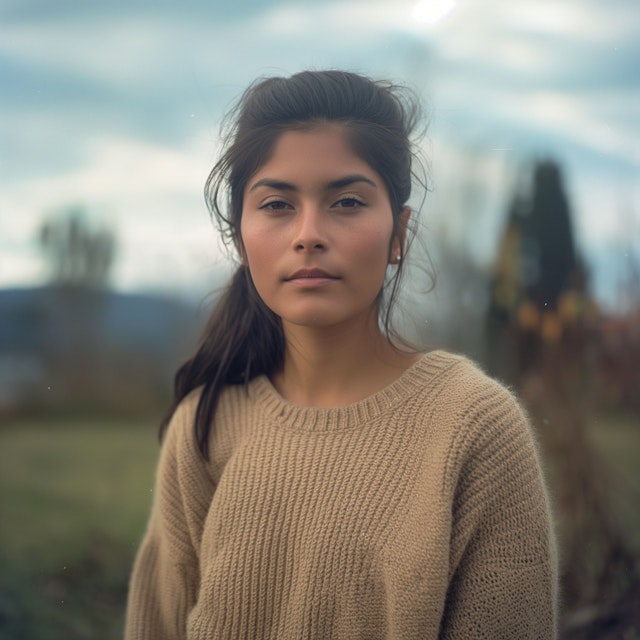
{"x":460,"y":372}
{"x":232,"y":397}
{"x":476,"y":417}
{"x":184,"y":475}
{"x":235,"y":414}
{"x":180,"y":453}
{"x":459,"y":386}
{"x":181,"y":423}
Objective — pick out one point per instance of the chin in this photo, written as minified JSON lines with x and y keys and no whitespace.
{"x":328,"y":319}
{"x":315,"y":321}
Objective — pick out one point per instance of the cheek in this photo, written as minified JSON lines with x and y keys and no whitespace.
{"x":253,"y":248}
{"x":260,"y":254}
{"x":373,"y":245}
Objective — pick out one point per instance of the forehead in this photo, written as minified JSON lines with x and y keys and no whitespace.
{"x":321,"y":150}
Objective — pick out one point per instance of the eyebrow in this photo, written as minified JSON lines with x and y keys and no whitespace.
{"x":280,"y":185}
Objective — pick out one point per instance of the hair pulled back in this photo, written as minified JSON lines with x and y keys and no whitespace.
{"x":243,"y":337}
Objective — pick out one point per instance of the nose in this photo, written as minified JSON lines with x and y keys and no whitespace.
{"x":310,"y":232}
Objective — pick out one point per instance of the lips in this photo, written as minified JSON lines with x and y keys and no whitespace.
{"x":311,"y":274}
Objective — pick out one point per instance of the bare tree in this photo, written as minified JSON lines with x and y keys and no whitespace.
{"x":78,"y":255}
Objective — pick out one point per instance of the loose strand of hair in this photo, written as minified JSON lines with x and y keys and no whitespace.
{"x":242,"y":340}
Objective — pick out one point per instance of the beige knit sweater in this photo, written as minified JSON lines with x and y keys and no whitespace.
{"x":418,"y":513}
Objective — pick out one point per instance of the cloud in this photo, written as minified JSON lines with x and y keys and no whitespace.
{"x":124,"y":50}
{"x":556,"y":77}
{"x":151,"y":196}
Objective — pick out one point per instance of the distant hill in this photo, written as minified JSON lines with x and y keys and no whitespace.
{"x":76,"y":346}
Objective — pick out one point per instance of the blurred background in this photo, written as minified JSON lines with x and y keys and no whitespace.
{"x":109,"y":264}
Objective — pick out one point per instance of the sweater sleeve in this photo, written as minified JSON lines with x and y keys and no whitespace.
{"x":503,"y":567}
{"x":165,"y":578}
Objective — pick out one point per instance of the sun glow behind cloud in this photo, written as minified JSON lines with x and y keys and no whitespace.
{"x":432,"y":11}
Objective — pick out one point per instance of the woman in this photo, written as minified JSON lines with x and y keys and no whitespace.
{"x":317,"y":479}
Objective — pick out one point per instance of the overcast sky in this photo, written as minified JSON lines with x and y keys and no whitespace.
{"x":116,"y":106}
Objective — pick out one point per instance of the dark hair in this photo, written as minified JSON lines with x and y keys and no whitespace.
{"x":244,"y":338}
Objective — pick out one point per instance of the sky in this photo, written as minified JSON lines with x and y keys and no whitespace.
{"x":115,"y":106}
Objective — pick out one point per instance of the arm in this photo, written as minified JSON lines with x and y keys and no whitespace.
{"x":503,"y":572}
{"x":165,"y":578}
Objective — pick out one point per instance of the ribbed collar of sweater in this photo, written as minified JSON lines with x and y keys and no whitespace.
{"x":417,"y":378}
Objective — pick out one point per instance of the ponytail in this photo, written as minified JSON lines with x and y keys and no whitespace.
{"x":242,"y":340}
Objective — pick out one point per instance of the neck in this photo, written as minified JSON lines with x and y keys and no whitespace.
{"x":332,"y":368}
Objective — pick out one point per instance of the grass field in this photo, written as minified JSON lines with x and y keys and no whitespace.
{"x":74,"y":499}
{"x":617,"y":439}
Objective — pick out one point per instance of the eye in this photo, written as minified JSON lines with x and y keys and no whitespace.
{"x":349,"y":202}
{"x":276,"y":206}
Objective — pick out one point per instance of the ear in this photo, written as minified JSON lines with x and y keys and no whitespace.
{"x":397,"y":245}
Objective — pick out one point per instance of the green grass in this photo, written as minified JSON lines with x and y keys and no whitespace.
{"x":74,"y":499}
{"x":616,"y":437}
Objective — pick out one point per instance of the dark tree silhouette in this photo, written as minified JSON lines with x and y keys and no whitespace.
{"x":548,"y":225}
{"x":537,"y":274}
{"x":537,"y":259}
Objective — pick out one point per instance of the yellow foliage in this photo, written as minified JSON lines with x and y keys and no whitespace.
{"x":551,"y":327}
{"x":528,"y":316}
{"x":570,"y":307}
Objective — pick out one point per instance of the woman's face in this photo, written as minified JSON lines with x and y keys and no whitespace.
{"x":316,"y":230}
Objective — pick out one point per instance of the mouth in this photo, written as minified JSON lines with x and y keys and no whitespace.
{"x":302,"y":274}
{"x":311,"y":277}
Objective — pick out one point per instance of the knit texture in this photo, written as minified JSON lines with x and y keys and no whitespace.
{"x":417,"y":513}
